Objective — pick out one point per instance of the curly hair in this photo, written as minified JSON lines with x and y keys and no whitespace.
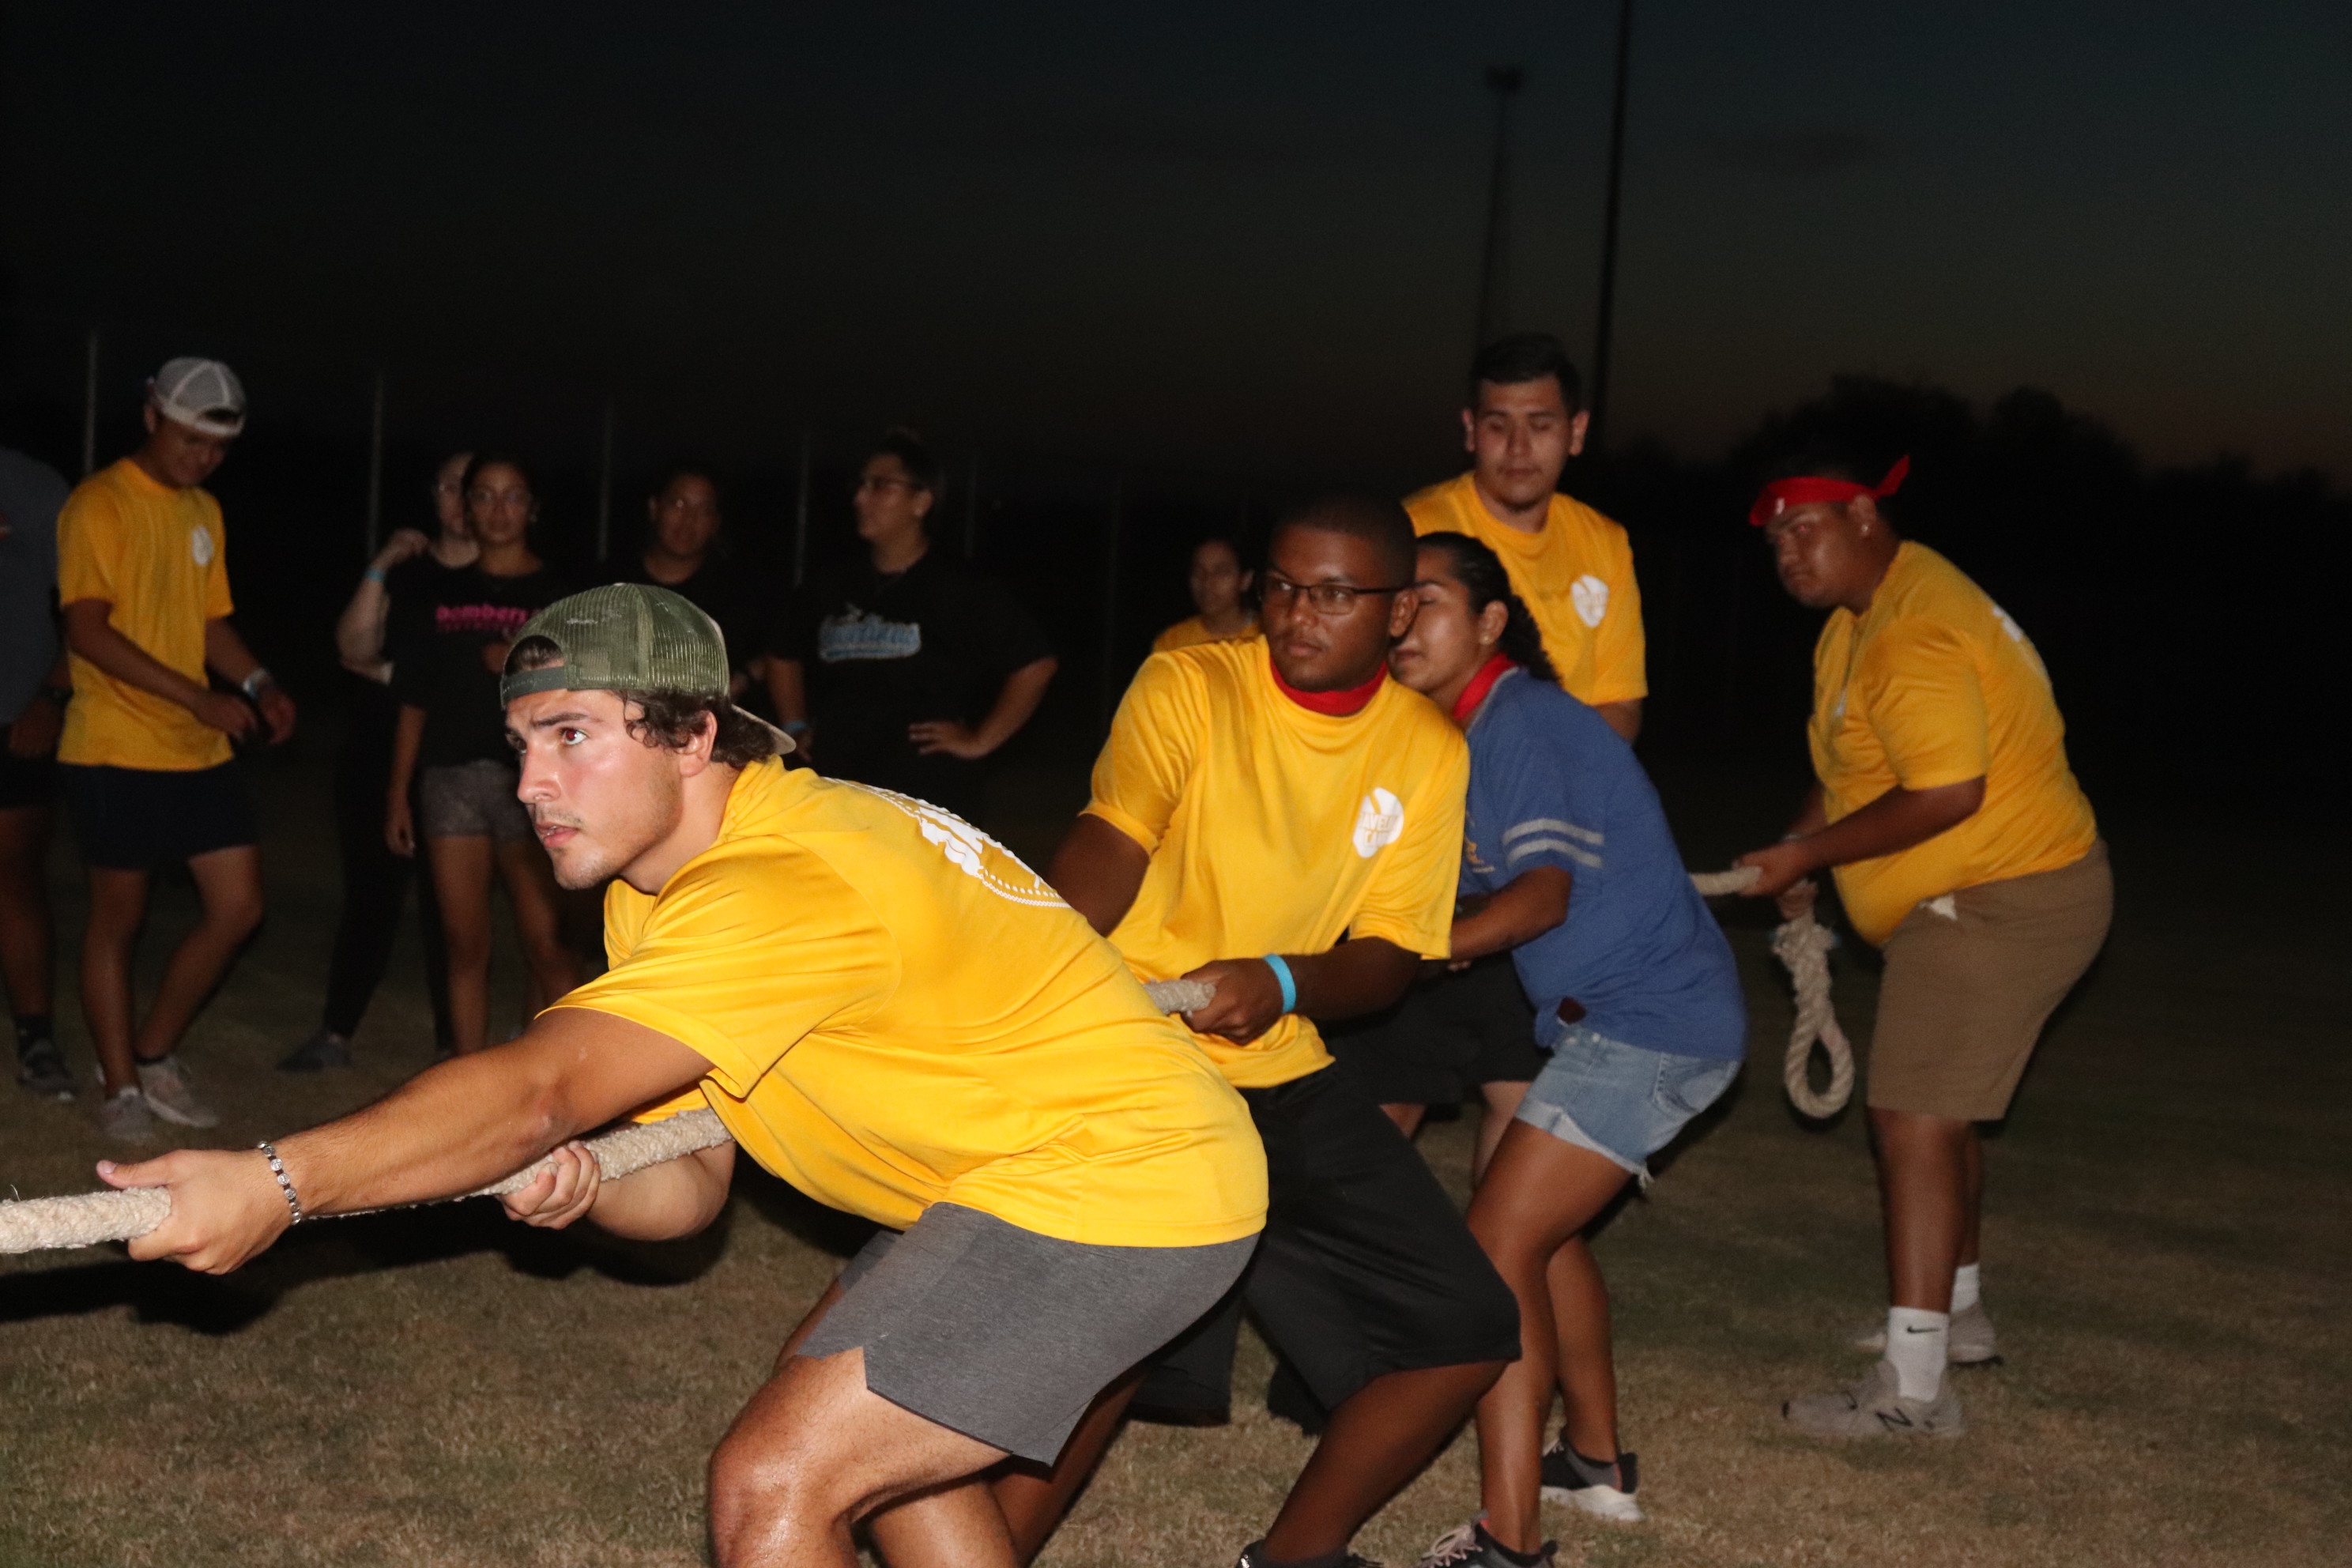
{"x":1480,"y":572}
{"x":670,"y":720}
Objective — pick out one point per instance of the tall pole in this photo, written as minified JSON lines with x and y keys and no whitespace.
{"x":972,"y":509}
{"x":376,"y":468}
{"x":604,"y":489}
{"x":800,"y":517}
{"x":89,"y":407}
{"x":1110,"y":600}
{"x":1606,"y":321}
{"x":1494,"y":267}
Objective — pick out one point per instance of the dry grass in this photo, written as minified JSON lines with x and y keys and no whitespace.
{"x":2168,"y":1261}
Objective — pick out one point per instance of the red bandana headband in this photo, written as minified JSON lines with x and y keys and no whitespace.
{"x":1782,"y":494}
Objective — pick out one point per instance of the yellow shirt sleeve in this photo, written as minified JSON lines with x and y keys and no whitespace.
{"x":1154,"y":744}
{"x":740,"y":959}
{"x":1411,"y":898}
{"x":1926,"y":706}
{"x":1620,"y":652}
{"x":218,"y":603}
{"x":89,"y":547}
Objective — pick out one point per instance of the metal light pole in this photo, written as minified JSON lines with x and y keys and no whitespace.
{"x":89,"y":407}
{"x":375,"y":468}
{"x":800,"y":516}
{"x":1494,"y":268}
{"x":1606,"y":311}
{"x":604,"y":489}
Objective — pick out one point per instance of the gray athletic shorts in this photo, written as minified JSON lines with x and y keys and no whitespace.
{"x":471,"y":800}
{"x":1005,"y":1335}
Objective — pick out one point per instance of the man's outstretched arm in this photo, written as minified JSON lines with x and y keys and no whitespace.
{"x":1362,"y":974}
{"x":452,"y":1128}
{"x":1100,"y":870}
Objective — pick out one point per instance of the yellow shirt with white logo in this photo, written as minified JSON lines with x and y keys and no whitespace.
{"x":897,"y":1012}
{"x":1576,"y":573}
{"x":1276,"y":830}
{"x":155,"y":554}
{"x":1935,"y":685}
{"x":1194,"y":632}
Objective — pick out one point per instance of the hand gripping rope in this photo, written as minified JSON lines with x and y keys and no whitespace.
{"x":1804,"y":946}
{"x":87,"y":1218}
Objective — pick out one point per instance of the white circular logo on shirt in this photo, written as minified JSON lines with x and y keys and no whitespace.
{"x":200,"y":544}
{"x":1378,"y":820}
{"x":1589,"y":594}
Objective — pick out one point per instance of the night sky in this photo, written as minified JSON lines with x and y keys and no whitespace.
{"x":1228,"y":235}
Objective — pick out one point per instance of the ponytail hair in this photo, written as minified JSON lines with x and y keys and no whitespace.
{"x":1481,"y":572}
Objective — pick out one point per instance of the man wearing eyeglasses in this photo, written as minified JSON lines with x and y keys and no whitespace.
{"x":1280,"y":820}
{"x":905,"y":671}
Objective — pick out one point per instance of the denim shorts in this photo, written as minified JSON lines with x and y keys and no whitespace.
{"x":1620,"y":1101}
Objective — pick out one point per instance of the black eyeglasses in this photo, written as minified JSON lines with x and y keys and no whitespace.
{"x":1332,"y":599}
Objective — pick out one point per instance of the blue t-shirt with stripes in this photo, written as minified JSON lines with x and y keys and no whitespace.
{"x":1552,"y":784}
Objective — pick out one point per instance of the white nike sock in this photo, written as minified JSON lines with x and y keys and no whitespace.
{"x":1967,"y":1286}
{"x":1916,"y":1343}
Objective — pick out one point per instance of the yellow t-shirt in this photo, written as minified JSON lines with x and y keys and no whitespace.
{"x":1194,"y":632}
{"x":1576,"y":573}
{"x":897,"y":1012}
{"x":1935,"y":685}
{"x":1275,"y":829}
{"x":155,"y":553}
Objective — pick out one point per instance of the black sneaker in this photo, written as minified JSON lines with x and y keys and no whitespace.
{"x":1470,"y":1547}
{"x":324,"y":1050}
{"x":1604,"y":1491}
{"x":1253,"y":1556}
{"x":41,"y":1068}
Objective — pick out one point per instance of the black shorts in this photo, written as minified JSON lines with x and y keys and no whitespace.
{"x":24,"y":781}
{"x":1445,"y":1038}
{"x":1365,"y":1268}
{"x":136,"y":819}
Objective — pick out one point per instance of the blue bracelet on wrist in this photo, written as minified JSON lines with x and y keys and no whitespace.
{"x":1288,"y":981}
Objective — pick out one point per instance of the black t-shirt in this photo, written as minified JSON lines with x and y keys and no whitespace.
{"x":881,"y":652}
{"x":444,"y":623}
{"x":723,"y":590}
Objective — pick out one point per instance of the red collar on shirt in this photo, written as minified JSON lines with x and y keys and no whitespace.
{"x":1480,"y":684}
{"x":1337,"y":704}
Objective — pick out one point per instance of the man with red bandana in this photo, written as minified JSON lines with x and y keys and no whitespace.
{"x":1278,"y":818}
{"x":1963,"y":846}
{"x":1571,"y":565}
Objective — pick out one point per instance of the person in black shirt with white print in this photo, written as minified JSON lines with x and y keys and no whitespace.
{"x":905,"y":672}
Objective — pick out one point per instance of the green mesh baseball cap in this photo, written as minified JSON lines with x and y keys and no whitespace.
{"x":627,"y":637}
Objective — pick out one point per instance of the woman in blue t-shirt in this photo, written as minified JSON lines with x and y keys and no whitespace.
{"x":1636,"y":1000}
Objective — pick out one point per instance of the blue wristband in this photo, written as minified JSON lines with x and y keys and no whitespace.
{"x":375,"y":575}
{"x":1274,"y":961}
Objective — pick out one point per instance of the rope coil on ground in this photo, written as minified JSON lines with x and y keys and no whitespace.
{"x":86,"y":1219}
{"x":1804,"y":946}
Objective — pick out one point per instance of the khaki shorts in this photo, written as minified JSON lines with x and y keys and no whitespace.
{"x":1971,"y":978}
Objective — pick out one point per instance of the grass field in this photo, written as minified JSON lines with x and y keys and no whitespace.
{"x":2169,"y":1252}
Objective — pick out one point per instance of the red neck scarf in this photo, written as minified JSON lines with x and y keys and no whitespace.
{"x":1480,"y":684}
{"x":1337,"y":704}
{"x":1782,"y":494}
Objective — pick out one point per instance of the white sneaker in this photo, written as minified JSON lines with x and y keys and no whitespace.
{"x":1874,"y":1407}
{"x":171,"y":1097}
{"x":122,"y":1116}
{"x":1970,"y":1342}
{"x":1604,"y":1491}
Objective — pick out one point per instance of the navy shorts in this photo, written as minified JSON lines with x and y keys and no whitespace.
{"x":137,"y":819}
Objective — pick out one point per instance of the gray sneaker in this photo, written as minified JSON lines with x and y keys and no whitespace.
{"x":41,"y":1068}
{"x":122,"y":1116}
{"x":1604,"y":1491}
{"x":1970,"y":1342}
{"x":323,"y":1050}
{"x":1470,"y":1547}
{"x":1875,"y":1408}
{"x":171,"y":1096}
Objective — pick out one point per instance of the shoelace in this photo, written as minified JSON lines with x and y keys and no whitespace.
{"x":1456,"y":1545}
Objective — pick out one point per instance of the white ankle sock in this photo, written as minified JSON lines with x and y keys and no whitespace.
{"x":1916,"y":1343}
{"x":1967,"y":1286}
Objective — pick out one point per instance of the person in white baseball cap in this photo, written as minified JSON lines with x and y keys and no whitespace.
{"x":201,"y":393}
{"x":144,"y":763}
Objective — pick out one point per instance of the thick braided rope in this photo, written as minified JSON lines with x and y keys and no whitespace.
{"x":86,"y":1219}
{"x":1802,"y":944}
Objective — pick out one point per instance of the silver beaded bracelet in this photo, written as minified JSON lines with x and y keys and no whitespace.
{"x":285,"y":1181}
